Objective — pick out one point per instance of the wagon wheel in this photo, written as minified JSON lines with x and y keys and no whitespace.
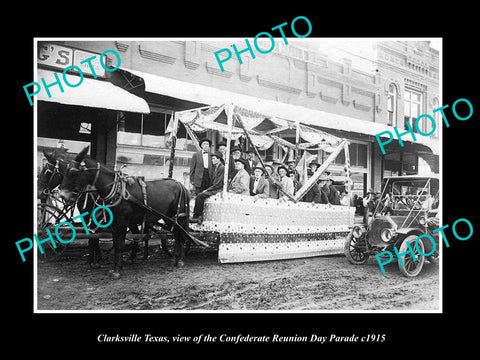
{"x":356,"y":249}
{"x":48,"y":217}
{"x":410,"y":267}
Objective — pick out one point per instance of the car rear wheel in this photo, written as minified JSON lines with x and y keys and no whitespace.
{"x":406,"y":263}
{"x":356,"y":249}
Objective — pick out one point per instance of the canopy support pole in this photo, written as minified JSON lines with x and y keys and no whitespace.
{"x":174,"y":144}
{"x":229,"y":113}
{"x":193,"y":136}
{"x":348,"y":170}
{"x":297,"y":142}
{"x":313,"y":179}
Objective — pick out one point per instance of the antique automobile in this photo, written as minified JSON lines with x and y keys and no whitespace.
{"x":407,"y":208}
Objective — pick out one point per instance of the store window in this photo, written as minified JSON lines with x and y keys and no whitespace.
{"x":400,"y":164}
{"x":154,"y":123}
{"x":145,"y":124}
{"x":410,"y":164}
{"x":130,"y":122}
{"x":149,"y":130}
{"x":358,"y":155}
{"x":392,"y":105}
{"x":413,"y":108}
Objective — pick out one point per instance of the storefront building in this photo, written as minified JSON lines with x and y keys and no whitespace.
{"x":87,"y":114}
{"x":294,"y":82}
{"x":411,"y":74}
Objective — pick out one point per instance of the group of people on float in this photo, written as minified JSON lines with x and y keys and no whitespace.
{"x":248,"y":177}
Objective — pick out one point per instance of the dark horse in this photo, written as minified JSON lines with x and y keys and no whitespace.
{"x":166,"y":199}
{"x":52,"y":172}
{"x":51,"y":176}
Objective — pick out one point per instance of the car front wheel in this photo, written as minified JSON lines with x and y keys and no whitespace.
{"x":356,"y":249}
{"x":409,"y":266}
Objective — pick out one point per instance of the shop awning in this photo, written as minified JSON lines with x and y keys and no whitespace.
{"x":91,"y":93}
{"x":212,"y":96}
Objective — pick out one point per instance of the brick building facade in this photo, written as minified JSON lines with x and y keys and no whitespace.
{"x":331,"y":94}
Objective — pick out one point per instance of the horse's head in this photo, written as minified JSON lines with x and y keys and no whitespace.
{"x":77,"y":177}
{"x":54,"y":167}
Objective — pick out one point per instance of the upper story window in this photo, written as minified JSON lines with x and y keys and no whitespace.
{"x":413,"y":107}
{"x":436,"y":116}
{"x":392,"y":105}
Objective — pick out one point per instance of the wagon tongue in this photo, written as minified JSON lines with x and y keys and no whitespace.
{"x":164,"y":217}
{"x":196,"y":241}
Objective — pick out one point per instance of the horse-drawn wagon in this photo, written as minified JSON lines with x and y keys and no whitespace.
{"x":243,"y":228}
{"x":247,"y":229}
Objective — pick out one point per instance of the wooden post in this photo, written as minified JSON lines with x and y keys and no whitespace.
{"x":174,"y":143}
{"x":347,"y":169}
{"x":194,"y":137}
{"x":229,"y":112}
{"x":297,"y":141}
{"x":310,"y":182}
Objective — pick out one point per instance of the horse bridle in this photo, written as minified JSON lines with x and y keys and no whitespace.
{"x":116,"y":185}
{"x":82,"y":167}
{"x":54,"y":171}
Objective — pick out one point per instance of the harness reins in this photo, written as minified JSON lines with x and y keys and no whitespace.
{"x":119,"y":189}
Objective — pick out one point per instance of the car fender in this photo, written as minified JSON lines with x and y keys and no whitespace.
{"x":404,"y":232}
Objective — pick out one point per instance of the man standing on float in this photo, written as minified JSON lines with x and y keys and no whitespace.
{"x":215,"y":187}
{"x":200,"y":166}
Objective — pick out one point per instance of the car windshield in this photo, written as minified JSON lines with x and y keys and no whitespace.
{"x":407,"y":194}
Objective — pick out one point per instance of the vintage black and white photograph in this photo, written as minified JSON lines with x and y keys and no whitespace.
{"x":269,"y":174}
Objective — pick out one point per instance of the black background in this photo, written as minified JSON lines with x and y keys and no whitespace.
{"x":411,"y":333}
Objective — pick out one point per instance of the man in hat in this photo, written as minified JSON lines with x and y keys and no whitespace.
{"x":222,"y":147}
{"x":199,"y":167}
{"x":251,"y":163}
{"x":236,"y":153}
{"x":292,"y":171}
{"x":272,"y":181}
{"x":241,"y":181}
{"x":332,"y":193}
{"x":313,"y":195}
{"x":314,"y":165}
{"x":294,"y":174}
{"x":285,"y":181}
{"x":216,"y":185}
{"x":322,"y":182}
{"x":369,"y":204}
{"x":259,"y":187}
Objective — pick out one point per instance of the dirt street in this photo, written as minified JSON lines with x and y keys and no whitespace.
{"x":321,"y":283}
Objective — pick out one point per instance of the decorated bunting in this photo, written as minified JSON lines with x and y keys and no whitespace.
{"x":267,"y":229}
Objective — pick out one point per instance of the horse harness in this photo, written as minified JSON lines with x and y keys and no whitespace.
{"x":119,"y":192}
{"x":143,"y":186}
{"x":50,"y":168}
